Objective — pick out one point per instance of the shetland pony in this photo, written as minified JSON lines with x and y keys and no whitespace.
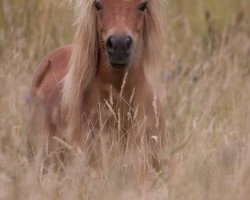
{"x":98,"y":83}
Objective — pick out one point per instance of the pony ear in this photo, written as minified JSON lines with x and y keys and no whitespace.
{"x":83,"y":61}
{"x":154,"y":32}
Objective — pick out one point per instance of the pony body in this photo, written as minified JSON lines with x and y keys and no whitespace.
{"x":85,"y":89}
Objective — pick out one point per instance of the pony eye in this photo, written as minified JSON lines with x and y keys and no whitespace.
{"x":97,"y":5}
{"x":143,"y":6}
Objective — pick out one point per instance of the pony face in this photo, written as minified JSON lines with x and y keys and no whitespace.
{"x":120,"y":28}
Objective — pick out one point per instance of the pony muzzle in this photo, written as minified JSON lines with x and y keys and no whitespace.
{"x":119,"y":50}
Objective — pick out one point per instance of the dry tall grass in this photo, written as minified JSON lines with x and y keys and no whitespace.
{"x":205,"y":89}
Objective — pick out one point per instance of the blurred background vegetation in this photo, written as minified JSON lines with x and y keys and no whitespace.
{"x":204,"y":83}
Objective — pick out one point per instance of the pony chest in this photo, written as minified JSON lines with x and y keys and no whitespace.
{"x":110,"y":114}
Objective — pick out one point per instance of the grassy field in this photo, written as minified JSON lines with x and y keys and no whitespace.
{"x":204,"y":82}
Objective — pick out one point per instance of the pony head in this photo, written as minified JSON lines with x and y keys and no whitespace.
{"x":127,"y":29}
{"x":120,"y":28}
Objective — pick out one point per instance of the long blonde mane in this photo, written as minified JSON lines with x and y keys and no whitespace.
{"x":154,"y":31}
{"x":83,"y":62}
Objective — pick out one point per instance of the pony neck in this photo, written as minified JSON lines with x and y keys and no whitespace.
{"x":108,"y":76}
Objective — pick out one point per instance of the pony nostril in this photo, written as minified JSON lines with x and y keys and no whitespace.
{"x":128,"y":43}
{"x":110,"y":45}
